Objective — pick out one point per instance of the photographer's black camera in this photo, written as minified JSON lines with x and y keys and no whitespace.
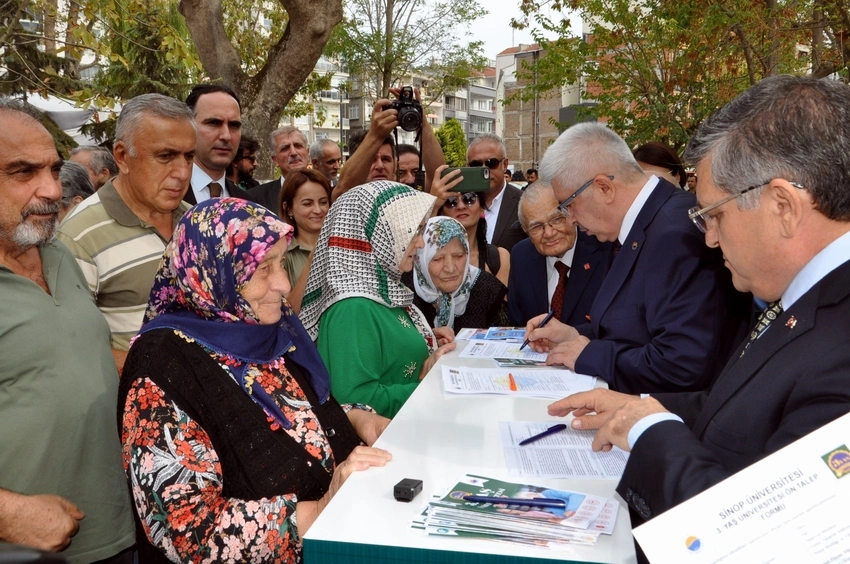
{"x":409,"y":110}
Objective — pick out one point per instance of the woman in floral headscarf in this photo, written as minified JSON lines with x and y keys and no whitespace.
{"x":449,"y":290}
{"x":231,"y":441}
{"x":376,"y":344}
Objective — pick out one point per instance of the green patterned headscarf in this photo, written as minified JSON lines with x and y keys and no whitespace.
{"x":359,"y":249}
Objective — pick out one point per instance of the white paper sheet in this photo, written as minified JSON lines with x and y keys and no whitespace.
{"x":788,"y":507}
{"x":566,"y":454}
{"x":499,"y":349}
{"x":534,"y":383}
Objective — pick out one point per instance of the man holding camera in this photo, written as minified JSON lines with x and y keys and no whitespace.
{"x":374,"y":158}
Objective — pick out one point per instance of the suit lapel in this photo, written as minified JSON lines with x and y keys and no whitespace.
{"x":629,"y":253}
{"x":509,"y":204}
{"x":586,"y":259}
{"x":539,"y":281}
{"x":833,"y":288}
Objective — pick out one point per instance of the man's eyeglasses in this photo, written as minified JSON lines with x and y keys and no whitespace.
{"x":537,"y":229}
{"x":491,"y":163}
{"x":469,"y":199}
{"x":565,"y":205}
{"x":704,"y":221}
{"x":251,"y":158}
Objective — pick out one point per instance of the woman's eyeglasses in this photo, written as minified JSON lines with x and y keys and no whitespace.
{"x":469,"y":199}
{"x":491,"y":163}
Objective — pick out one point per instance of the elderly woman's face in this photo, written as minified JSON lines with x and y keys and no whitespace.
{"x":448,"y":266}
{"x":266,"y":289}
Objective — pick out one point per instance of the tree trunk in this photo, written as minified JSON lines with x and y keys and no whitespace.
{"x":290,"y":61}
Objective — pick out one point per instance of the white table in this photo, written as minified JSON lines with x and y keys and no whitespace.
{"x":437,"y":438}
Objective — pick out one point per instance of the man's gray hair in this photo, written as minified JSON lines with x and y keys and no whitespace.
{"x":487,"y":138}
{"x":794,"y":128}
{"x":75,"y":182}
{"x":136,"y":109}
{"x":317,"y":148}
{"x":532,"y":194}
{"x":285,"y":130}
{"x":584,"y":151}
{"x":24,"y":111}
{"x":100,"y":158}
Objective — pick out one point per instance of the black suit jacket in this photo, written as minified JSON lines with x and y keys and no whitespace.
{"x":232,"y":189}
{"x":267,"y":194}
{"x":666,"y":317}
{"x":792,"y":380}
{"x":528,"y":288}
{"x":508,"y":231}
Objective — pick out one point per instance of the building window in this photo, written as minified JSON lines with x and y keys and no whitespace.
{"x":353,"y":111}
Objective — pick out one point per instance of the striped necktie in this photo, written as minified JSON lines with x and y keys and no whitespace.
{"x":768,"y":316}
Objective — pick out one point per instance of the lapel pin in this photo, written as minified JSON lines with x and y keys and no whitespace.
{"x":791,"y":323}
{"x":587,"y":317}
{"x":634,"y":245}
{"x":587,"y":266}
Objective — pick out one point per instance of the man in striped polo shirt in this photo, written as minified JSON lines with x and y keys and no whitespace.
{"x":118,"y":234}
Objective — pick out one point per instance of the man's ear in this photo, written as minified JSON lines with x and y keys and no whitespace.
{"x":786,"y":204}
{"x":121,"y":152}
{"x":606,"y":187}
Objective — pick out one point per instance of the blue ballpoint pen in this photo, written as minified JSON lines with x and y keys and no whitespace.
{"x":550,"y":431}
{"x":533,"y":502}
{"x":546,"y":320}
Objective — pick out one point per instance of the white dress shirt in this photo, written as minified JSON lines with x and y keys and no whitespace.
{"x":634,"y":209}
{"x":492,"y":214}
{"x":201,"y":181}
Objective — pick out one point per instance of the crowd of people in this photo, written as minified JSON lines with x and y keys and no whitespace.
{"x":225,"y":353}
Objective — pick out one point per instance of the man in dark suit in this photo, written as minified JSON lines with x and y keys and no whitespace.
{"x":289,"y":152}
{"x":218,"y":116}
{"x":666,"y":317}
{"x":780,"y":212}
{"x":536,"y":283}
{"x":502,"y":200}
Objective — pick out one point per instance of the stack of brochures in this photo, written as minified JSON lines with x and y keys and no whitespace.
{"x":580,"y":519}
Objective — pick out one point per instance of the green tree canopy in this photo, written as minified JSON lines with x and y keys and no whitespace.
{"x":657,"y":68}
{"x":453,"y":142}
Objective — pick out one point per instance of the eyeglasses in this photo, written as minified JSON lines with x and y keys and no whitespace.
{"x":565,"y":205}
{"x":469,"y":199}
{"x":704,"y":222}
{"x":251,"y":158}
{"x":537,"y":229}
{"x":491,"y":163}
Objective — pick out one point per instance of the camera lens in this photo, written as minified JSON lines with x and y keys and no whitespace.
{"x":409,"y":119}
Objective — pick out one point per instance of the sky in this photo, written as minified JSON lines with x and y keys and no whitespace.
{"x":495,"y":31}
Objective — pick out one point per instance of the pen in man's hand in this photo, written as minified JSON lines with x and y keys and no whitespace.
{"x":550,"y":431}
{"x":546,"y":320}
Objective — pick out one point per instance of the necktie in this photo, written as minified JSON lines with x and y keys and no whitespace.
{"x":768,"y":316}
{"x":560,"y":289}
{"x":215,"y":189}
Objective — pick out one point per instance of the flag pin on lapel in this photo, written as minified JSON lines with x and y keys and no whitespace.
{"x":791,"y":323}
{"x":587,"y":266}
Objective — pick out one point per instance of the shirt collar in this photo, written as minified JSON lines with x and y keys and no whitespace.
{"x":201,"y":179}
{"x":115,"y":206}
{"x":831,"y":257}
{"x":634,"y":209}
